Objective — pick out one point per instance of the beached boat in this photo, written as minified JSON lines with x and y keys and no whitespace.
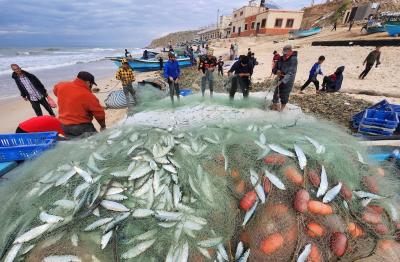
{"x":376,"y":29}
{"x":393,"y":29}
{"x":143,"y":65}
{"x":306,"y":33}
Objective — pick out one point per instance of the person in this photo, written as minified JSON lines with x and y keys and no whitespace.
{"x":40,"y":124}
{"x":31,"y":90}
{"x":351,"y":25}
{"x":333,"y":83}
{"x":253,"y":60}
{"x":126,"y":76}
{"x":207,"y":66}
{"x":286,"y":73}
{"x":236,"y":49}
{"x":220,"y":66}
{"x":248,"y":52}
{"x":232,"y":53}
{"x":334,"y":26}
{"x":145,"y":54}
{"x":78,"y":106}
{"x":172,"y":73}
{"x":372,"y":58}
{"x":161,"y":61}
{"x":314,"y":72}
{"x":243,"y":71}
{"x":275,"y":61}
{"x":127,"y":54}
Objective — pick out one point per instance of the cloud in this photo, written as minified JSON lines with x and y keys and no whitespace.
{"x":115,"y":23}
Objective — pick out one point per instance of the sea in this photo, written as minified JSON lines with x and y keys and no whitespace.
{"x":52,"y":65}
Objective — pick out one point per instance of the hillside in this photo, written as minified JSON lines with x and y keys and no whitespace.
{"x":312,"y":14}
{"x":174,"y":38}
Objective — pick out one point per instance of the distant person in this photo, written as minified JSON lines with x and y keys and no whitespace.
{"x":236,"y":49}
{"x":314,"y":72}
{"x":253,"y":60}
{"x":161,"y":61}
{"x":334,"y":26}
{"x":351,"y":25}
{"x":286,"y":73}
{"x":248,"y":52}
{"x":31,"y":90}
{"x":232,"y":52}
{"x":126,"y":76}
{"x":145,"y":54}
{"x":242,"y":70}
{"x":78,"y":106}
{"x":41,"y":124}
{"x":220,"y":66}
{"x":333,"y":83}
{"x":172,"y":73}
{"x":207,"y":66}
{"x":127,"y":54}
{"x":275,"y":61}
{"x":372,"y":58}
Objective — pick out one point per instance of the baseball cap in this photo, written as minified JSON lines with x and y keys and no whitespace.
{"x":86,"y":76}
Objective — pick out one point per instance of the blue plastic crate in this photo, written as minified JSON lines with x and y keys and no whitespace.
{"x":374,"y":131}
{"x":15,"y":147}
{"x":185,"y":92}
{"x":380,"y":119}
{"x":382,"y":106}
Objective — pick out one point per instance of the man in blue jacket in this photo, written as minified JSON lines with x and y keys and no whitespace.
{"x":315,"y":71}
{"x":172,"y":73}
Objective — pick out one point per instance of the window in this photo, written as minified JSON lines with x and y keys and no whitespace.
{"x":263,"y":23}
{"x":245,"y":27}
{"x":253,"y":25}
{"x":241,"y":13}
{"x":289,"y":23}
{"x":233,"y":29}
{"x":235,"y":15}
{"x":278,"y":22}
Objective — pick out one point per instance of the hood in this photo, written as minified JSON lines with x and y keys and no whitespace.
{"x":340,"y":70}
{"x":294,"y":53}
{"x":14,"y":75}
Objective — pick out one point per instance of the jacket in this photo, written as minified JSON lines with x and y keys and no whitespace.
{"x":374,"y":56}
{"x":171,"y":69}
{"x":288,"y":67}
{"x":238,"y":68}
{"x":42,"y":124}
{"x":77,"y":104}
{"x":336,"y":80}
{"x":315,"y":70}
{"x":35,"y":82}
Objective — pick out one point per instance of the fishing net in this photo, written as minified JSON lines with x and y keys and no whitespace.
{"x":226,"y":186}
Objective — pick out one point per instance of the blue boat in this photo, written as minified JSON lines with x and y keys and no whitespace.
{"x":144,"y":65}
{"x":306,"y":33}
{"x":393,"y":29}
{"x":376,"y":29}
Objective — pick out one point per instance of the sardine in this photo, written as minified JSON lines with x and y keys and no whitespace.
{"x":98,"y":223}
{"x":281,"y":150}
{"x":304,"y":255}
{"x":79,"y":189}
{"x":116,"y":197}
{"x":114,"y":206}
{"x":141,"y":213}
{"x":192,"y":226}
{"x":115,"y":134}
{"x":184,"y":253}
{"x":140,"y":171}
{"x":239,"y":250}
{"x":138,"y":249}
{"x":249,"y":213}
{"x":204,"y":252}
{"x":114,"y":191}
{"x":65,"y":258}
{"x":211,"y":242}
{"x":362,"y":194}
{"x":167,"y":224}
{"x":170,"y":168}
{"x":32,"y":234}
{"x":168,"y":216}
{"x":360,"y":158}
{"x":49,"y":219}
{"x":105,"y":239}
{"x":222,"y":251}
{"x":301,"y":157}
{"x":64,"y":179}
{"x":116,"y":221}
{"x":320,"y":149}
{"x":120,"y":174}
{"x":12,"y":253}
{"x":331,"y":194}
{"x":323,"y":186}
{"x":66,"y":204}
{"x":98,"y":156}
{"x":274,"y":180}
{"x":245,"y":256}
{"x":85,"y":175}
{"x":74,"y":239}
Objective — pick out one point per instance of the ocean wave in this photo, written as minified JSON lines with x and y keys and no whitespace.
{"x":23,"y":53}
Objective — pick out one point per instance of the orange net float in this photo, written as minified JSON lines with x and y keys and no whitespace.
{"x":293,"y":175}
{"x":314,"y":178}
{"x":315,"y":254}
{"x":301,"y":201}
{"x":315,"y":230}
{"x":275,"y":159}
{"x":338,"y":244}
{"x":248,"y":200}
{"x":355,"y":230}
{"x":272,"y":243}
{"x":319,"y":208}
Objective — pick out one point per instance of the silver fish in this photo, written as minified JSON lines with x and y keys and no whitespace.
{"x":98,"y":156}
{"x":360,"y":158}
{"x":362,"y":194}
{"x":32,"y":234}
{"x":140,"y":171}
{"x":204,"y":252}
{"x":115,"y":134}
{"x":162,"y":160}
{"x":79,"y":189}
{"x":96,"y":212}
{"x":105,"y":239}
{"x":222,"y":251}
{"x":147,"y":235}
{"x":92,"y":165}
{"x":116,"y":197}
{"x":64,"y":179}
{"x":211,"y":242}
{"x":65,"y":258}
{"x":85,"y":175}
{"x":301,"y":157}
{"x":116,"y":221}
{"x":263,"y":139}
{"x":239,"y":250}
{"x":98,"y":223}
{"x":114,"y":191}
{"x":138,"y":249}
{"x":365,"y":202}
{"x":259,"y":189}
{"x":192,"y":226}
{"x":168,"y":216}
{"x":12,"y":254}
{"x":245,"y":256}
{"x":323,"y":186}
{"x":264,"y":153}
{"x":331,"y":194}
{"x":170,"y":168}
{"x":114,"y":206}
{"x":274,"y":180}
{"x":249,"y":213}
{"x":320,"y":149}
{"x":167,"y":224}
{"x":120,"y":174}
{"x":141,"y":213}
{"x":49,"y":219}
{"x":280,"y":150}
{"x":74,"y":240}
{"x":304,"y":255}
{"x":184,"y":253}
{"x":66,"y":204}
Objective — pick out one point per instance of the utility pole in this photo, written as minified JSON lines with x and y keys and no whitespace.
{"x":312,"y":2}
{"x":218,"y":18}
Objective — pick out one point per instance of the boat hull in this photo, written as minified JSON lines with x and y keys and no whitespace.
{"x":377,"y":29}
{"x":306,"y":33}
{"x":152,"y":65}
{"x":393,"y":29}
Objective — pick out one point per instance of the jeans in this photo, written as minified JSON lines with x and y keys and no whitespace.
{"x":128,"y":89}
{"x":368,"y":68}
{"x":309,"y":81}
{"x":173,"y":89}
{"x":220,"y":71}
{"x":79,"y":130}
{"x":208,"y":77}
{"x":243,"y":83}
{"x":282,"y":93}
{"x":38,"y":110}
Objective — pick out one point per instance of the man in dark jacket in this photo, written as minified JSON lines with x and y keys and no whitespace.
{"x":172,"y":73}
{"x":243,"y":70}
{"x":207,"y":66}
{"x":333,"y":83}
{"x":286,"y":73}
{"x":31,"y":90}
{"x":374,"y":56}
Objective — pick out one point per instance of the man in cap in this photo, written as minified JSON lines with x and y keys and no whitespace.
{"x":286,"y":74}
{"x":172,"y":73}
{"x":126,"y":76}
{"x":207,"y":66}
{"x":78,"y":106}
{"x":31,"y":90}
{"x":243,"y":70}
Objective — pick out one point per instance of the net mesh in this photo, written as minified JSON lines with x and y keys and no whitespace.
{"x":141,"y":193}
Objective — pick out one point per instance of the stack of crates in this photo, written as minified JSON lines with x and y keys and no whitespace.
{"x":379,"y":123}
{"x":381,"y":106}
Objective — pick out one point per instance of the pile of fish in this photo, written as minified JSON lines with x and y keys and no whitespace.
{"x":151,"y":194}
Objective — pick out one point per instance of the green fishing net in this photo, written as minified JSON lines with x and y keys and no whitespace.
{"x":194,"y":191}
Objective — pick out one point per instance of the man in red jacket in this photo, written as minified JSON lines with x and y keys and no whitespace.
{"x":78,"y":106}
{"x":41,"y":124}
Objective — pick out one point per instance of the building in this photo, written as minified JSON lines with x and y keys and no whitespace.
{"x":360,"y":13}
{"x":222,"y":30}
{"x":255,"y":19}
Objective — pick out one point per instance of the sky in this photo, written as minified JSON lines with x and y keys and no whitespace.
{"x":107,"y":23}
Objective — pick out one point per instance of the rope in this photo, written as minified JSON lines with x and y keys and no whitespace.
{"x":109,"y":91}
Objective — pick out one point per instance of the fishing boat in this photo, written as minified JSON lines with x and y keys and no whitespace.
{"x":393,"y":28}
{"x":306,"y":33}
{"x":143,"y":65}
{"x":376,"y":29}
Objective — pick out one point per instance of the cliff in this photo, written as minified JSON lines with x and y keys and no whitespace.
{"x":174,"y":38}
